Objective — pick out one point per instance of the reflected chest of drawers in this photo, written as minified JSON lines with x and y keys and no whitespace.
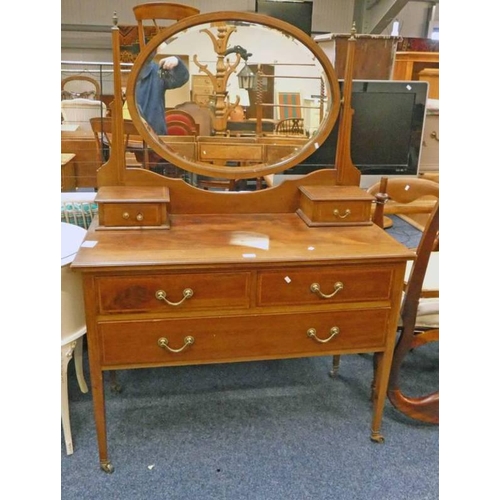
{"x":232,"y":288}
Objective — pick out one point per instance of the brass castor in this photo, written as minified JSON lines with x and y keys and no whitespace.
{"x":107,"y":467}
{"x":376,"y":437}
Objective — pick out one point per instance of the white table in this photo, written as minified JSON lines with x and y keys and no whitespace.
{"x":73,"y":326}
{"x":71,"y":239}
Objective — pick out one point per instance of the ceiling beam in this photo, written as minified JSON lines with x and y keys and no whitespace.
{"x":393,"y":10}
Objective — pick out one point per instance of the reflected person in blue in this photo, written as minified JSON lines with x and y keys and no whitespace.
{"x":154,"y":79}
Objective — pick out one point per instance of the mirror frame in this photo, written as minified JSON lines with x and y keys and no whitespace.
{"x":241,"y":172}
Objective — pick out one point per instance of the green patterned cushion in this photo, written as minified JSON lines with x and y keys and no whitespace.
{"x":79,"y":213}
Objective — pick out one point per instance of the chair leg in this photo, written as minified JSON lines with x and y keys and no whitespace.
{"x":79,"y":365}
{"x":66,"y":355}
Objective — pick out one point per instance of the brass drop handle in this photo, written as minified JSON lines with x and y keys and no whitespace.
{"x":336,"y":212}
{"x":315,"y":288}
{"x":334,"y":330}
{"x":434,"y":135}
{"x":186,"y":294}
{"x":163,"y":343}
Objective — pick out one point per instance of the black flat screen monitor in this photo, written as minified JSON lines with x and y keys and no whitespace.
{"x":387,"y":125}
{"x":299,"y":14}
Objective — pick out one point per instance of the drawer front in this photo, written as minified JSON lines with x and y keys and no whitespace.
{"x":233,"y":338}
{"x":132,"y":214}
{"x":125,"y":294}
{"x":341,"y":211}
{"x":324,"y":285}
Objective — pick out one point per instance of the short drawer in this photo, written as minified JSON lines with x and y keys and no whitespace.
{"x":324,"y":285}
{"x":133,"y":215}
{"x":172,"y":292}
{"x":241,"y":338}
{"x":334,"y":206}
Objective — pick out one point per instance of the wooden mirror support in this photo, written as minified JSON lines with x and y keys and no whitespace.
{"x":254,"y":156}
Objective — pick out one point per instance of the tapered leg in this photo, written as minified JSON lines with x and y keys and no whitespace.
{"x":383,"y":368}
{"x":100,"y":415}
{"x":335,"y":365}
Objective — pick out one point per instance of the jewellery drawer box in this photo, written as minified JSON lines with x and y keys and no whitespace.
{"x":124,"y":207}
{"x":334,"y":206}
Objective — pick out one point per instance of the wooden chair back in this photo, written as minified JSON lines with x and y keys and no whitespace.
{"x":290,"y":126}
{"x":423,"y":408}
{"x":80,"y":86}
{"x":159,"y":11}
{"x":411,"y":198}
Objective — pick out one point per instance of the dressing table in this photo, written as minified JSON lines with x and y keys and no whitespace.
{"x":176,"y":275}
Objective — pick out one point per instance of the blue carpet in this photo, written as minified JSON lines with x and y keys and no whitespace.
{"x":270,"y":430}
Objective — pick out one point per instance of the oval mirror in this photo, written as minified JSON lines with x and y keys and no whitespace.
{"x":262,"y":93}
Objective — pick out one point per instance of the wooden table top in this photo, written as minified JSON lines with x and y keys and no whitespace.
{"x":237,"y":240}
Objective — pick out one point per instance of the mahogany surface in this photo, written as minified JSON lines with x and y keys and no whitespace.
{"x":238,"y":276}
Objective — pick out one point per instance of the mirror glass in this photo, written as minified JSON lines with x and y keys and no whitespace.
{"x":237,"y":96}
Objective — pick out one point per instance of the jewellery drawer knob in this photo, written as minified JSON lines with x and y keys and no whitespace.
{"x":162,"y":295}
{"x":163,"y":343}
{"x":315,"y":288}
{"x":126,"y":215}
{"x":140,"y":217}
{"x":334,"y":331}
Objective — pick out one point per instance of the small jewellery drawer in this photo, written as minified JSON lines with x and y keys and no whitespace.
{"x":127,"y":207}
{"x":132,"y":214}
{"x":240,"y":338}
{"x":324,"y":285}
{"x":172,"y":292}
{"x":334,"y":205}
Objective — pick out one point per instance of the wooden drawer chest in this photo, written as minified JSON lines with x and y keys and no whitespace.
{"x":231,"y":288}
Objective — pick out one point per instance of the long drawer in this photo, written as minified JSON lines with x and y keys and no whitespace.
{"x":172,"y":292}
{"x":331,"y":284}
{"x":233,"y":338}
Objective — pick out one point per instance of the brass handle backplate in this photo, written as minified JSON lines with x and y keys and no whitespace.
{"x":315,"y":288}
{"x":334,"y":330}
{"x":163,"y":343}
{"x":162,"y":295}
{"x":346,"y":214}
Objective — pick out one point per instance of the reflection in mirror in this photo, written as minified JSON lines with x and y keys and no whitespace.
{"x":255,"y":97}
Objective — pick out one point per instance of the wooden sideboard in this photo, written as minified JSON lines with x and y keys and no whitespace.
{"x":408,"y":65}
{"x":87,"y":159}
{"x":242,"y":282}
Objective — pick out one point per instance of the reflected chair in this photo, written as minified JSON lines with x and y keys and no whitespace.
{"x":159,"y":11}
{"x":419,"y":323}
{"x":290,"y":126}
{"x":73,"y":327}
{"x":80,"y":86}
{"x":79,"y":112}
{"x":180,"y":122}
{"x":200,"y":115}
